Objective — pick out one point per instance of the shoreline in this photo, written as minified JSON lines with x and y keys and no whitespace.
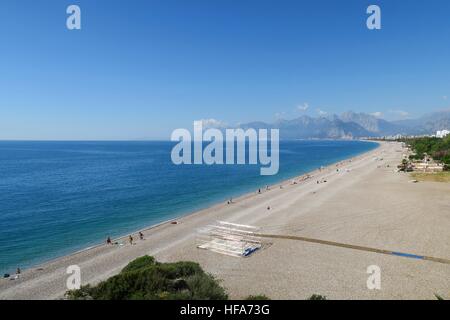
{"x":365,"y":203}
{"x":212,"y":206}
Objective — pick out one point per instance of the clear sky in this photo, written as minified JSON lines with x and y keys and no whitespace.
{"x":139,"y":69}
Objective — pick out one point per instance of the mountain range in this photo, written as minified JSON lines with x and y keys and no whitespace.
{"x":351,"y":125}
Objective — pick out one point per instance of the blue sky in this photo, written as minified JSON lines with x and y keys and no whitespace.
{"x":139,"y":69}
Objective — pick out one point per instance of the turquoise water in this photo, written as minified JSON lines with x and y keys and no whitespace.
{"x":59,"y":197}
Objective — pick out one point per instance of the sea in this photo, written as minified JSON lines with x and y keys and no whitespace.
{"x":58,"y":197}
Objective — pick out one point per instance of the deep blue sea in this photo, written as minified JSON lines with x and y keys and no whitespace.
{"x":60,"y":197}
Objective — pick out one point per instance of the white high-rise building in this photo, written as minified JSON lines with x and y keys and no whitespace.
{"x":442,"y":133}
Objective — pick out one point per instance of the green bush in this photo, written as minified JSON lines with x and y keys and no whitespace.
{"x":146,"y":279}
{"x":317,"y":297}
{"x":205,"y":287}
{"x":257,"y":297}
{"x":139,"y":263}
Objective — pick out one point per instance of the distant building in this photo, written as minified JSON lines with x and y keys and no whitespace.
{"x":442,"y":133}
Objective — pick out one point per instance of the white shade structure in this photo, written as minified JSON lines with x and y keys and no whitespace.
{"x":231,"y":239}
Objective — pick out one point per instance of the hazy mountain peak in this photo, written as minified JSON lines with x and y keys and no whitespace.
{"x":352,"y":124}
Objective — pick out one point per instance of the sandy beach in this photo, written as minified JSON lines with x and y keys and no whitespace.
{"x":364,"y":203}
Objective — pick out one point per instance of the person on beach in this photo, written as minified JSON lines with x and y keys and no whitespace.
{"x":259,"y":191}
{"x":108,"y":241}
{"x":141,"y":235}
{"x":18,"y":271}
{"x":131,"y":239}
